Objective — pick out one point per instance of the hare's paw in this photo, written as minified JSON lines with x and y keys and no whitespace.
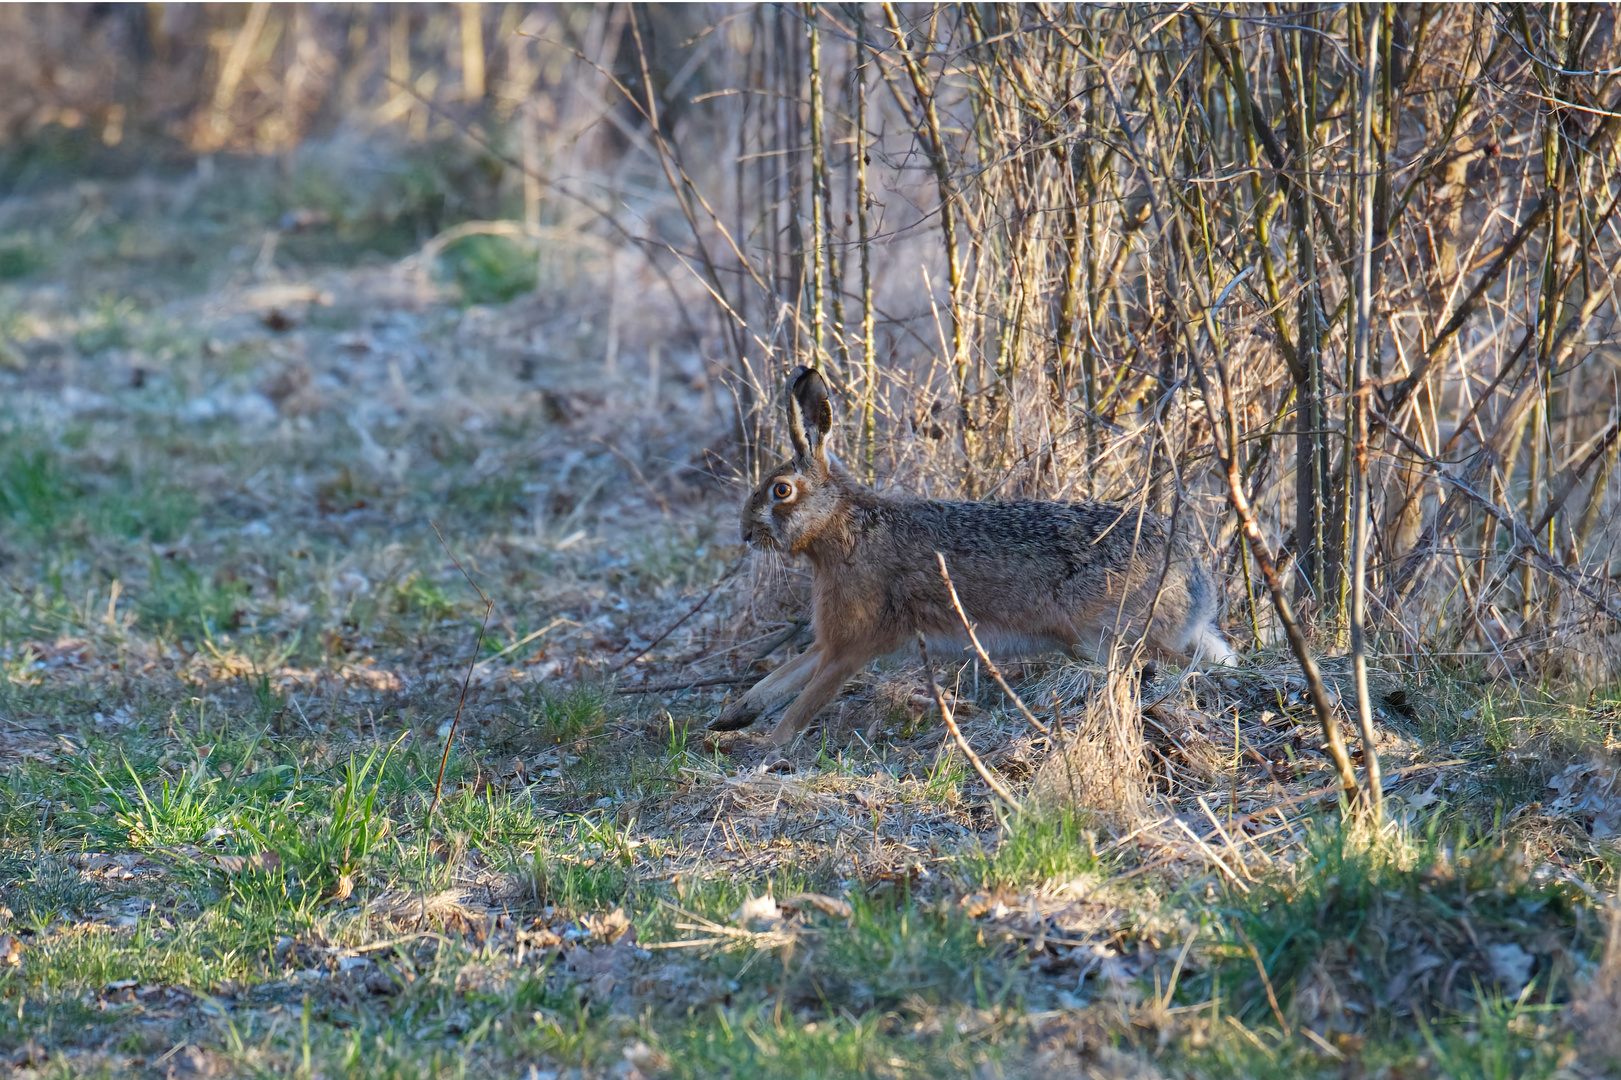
{"x":783,"y":735}
{"x":739,"y":714}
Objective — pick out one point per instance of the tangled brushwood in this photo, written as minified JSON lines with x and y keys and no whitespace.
{"x":1364,"y":256}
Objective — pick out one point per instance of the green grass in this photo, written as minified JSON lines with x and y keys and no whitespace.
{"x":493,"y":497}
{"x":568,"y":717}
{"x":1497,"y":1038}
{"x":946,"y":775}
{"x":39,"y":888}
{"x":20,"y":257}
{"x":489,"y":269}
{"x":585,"y":865}
{"x":1034,"y":850}
{"x":1374,"y":921}
{"x":321,"y":845}
{"x":179,"y":599}
{"x":416,"y":595}
{"x":893,"y":952}
{"x":739,"y":1043}
{"x":32,"y":490}
{"x":907,"y":985}
{"x":113,"y":323}
{"x":49,"y":499}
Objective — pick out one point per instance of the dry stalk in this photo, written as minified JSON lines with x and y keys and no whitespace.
{"x":1266,"y":981}
{"x":984,"y":657}
{"x":1372,"y":791}
{"x":467,"y":680}
{"x":985,"y":774}
{"x":1211,"y":855}
{"x":1098,"y":767}
{"x":1332,"y":739}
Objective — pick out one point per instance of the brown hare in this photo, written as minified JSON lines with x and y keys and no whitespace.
{"x":1030,"y":575}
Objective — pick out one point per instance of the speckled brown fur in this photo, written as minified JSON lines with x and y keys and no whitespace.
{"x":1032,"y":576}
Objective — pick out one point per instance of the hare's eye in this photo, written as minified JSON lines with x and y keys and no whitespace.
{"x":780,"y":490}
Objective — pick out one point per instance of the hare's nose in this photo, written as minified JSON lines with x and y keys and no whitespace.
{"x":748,"y":534}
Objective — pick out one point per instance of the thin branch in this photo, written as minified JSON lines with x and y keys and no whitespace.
{"x":984,"y":657}
{"x":668,"y":630}
{"x":467,"y":680}
{"x":985,"y":774}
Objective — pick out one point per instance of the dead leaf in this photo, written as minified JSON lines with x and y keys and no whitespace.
{"x":66,"y":652}
{"x":1590,"y":794}
{"x":544,"y":938}
{"x":977,"y":904}
{"x":602,"y":984}
{"x":374,"y":678}
{"x":611,"y":928}
{"x":238,"y":864}
{"x":645,"y":1058}
{"x":604,"y":967}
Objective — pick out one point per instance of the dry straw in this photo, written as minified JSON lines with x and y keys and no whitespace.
{"x":1097,"y":765}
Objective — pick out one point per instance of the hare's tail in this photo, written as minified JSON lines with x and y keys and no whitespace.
{"x":1208,"y":644}
{"x":1205,"y":641}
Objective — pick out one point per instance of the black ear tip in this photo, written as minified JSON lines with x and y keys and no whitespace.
{"x":805,"y":380}
{"x":809,"y":391}
{"x":807,"y":384}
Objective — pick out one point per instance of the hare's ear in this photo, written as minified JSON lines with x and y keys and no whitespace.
{"x":810,"y":414}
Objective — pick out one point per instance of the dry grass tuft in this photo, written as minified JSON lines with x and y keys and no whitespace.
{"x":1098,"y":765}
{"x":448,"y":910}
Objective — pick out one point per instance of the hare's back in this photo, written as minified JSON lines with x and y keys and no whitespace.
{"x":1027,"y":537}
{"x":1029,"y":573}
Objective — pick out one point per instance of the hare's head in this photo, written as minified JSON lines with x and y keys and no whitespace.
{"x":799,"y":500}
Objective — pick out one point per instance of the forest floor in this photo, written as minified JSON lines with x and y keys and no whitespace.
{"x":234,"y":428}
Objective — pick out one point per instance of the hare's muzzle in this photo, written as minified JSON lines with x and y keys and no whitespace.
{"x":756,"y":531}
{"x":758,"y":535}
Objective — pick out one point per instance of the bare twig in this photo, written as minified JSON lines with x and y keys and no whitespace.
{"x":1372,"y":793}
{"x":467,"y":680}
{"x":984,"y":657}
{"x":1239,"y":501}
{"x":688,"y":684}
{"x":985,"y":774}
{"x":668,"y":630}
{"x":1266,"y":981}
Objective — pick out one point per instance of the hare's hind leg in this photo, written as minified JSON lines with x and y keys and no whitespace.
{"x":822,"y":688}
{"x":769,"y":692}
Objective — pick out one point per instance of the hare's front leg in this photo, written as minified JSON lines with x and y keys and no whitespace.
{"x":822,"y":688}
{"x":769,"y":693}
